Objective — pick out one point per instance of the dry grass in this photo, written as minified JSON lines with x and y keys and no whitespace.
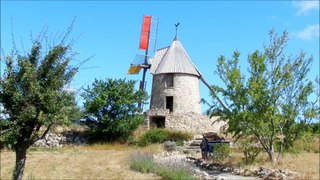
{"x":102,"y":161}
{"x":139,"y":132}
{"x":306,"y":163}
{"x":110,"y":161}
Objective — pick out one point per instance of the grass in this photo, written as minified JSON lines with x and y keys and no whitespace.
{"x":162,"y":135}
{"x":306,"y":163}
{"x":144,"y":163}
{"x":111,"y":161}
{"x":101,"y":161}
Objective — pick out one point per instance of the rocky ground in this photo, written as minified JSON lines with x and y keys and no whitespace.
{"x":208,"y":170}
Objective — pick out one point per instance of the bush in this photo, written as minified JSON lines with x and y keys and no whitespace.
{"x":308,"y":142}
{"x":179,"y":136}
{"x":153,"y":136}
{"x":221,"y":152}
{"x":162,"y":135}
{"x":144,"y":163}
{"x":174,"y":174}
{"x":120,"y":130}
{"x":250,"y":148}
{"x":110,"y":109}
{"x":170,"y":146}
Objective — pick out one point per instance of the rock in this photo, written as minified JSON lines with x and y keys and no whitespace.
{"x":170,"y":146}
{"x":58,"y":140}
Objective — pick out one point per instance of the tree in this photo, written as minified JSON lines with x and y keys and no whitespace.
{"x":270,"y":102}
{"x":111,"y":108}
{"x":33,"y":96}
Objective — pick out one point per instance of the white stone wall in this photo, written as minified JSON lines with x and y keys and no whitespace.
{"x":189,"y":122}
{"x":185,"y":92}
{"x":194,"y":123}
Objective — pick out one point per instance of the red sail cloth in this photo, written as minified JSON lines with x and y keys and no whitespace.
{"x":145,"y":31}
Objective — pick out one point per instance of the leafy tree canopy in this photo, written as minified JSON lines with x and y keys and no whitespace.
{"x":111,"y":108}
{"x":271,"y":101}
{"x":33,"y":95}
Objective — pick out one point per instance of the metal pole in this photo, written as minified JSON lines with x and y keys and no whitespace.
{"x":145,"y":68}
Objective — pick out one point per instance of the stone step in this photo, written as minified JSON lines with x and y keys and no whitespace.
{"x":191,"y":147}
{"x":195,"y":143}
{"x":191,"y":151}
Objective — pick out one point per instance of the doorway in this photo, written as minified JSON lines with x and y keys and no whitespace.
{"x":157,"y":122}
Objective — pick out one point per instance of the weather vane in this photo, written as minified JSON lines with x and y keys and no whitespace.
{"x":176,"y":25}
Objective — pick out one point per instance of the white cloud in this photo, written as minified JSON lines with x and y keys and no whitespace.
{"x":308,"y":33}
{"x":305,"y":7}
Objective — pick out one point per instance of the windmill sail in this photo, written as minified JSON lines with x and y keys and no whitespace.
{"x":145,"y":33}
{"x":134,"y":69}
{"x":148,"y":36}
{"x":147,"y":43}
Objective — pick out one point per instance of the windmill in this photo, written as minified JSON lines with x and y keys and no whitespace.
{"x":147,"y":43}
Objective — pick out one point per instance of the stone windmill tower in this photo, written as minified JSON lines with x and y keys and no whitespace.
{"x":175,"y":83}
{"x":175,"y":96}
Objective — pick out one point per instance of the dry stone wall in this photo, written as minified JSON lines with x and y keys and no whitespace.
{"x":195,"y":123}
{"x":53,"y":139}
{"x":190,"y":122}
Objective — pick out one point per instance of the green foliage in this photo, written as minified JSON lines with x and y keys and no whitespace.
{"x":111,"y":108}
{"x":162,"y":135}
{"x":170,"y":146}
{"x":144,"y":163}
{"x":33,"y":95}
{"x":270,"y":101}
{"x":251,"y":149}
{"x":307,"y":142}
{"x":179,"y":136}
{"x":315,"y":127}
{"x":173,"y":173}
{"x":221,"y":152}
{"x":154,"y":136}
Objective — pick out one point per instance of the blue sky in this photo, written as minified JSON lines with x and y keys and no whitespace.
{"x":111,"y":30}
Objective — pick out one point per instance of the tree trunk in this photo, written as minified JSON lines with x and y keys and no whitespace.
{"x":271,"y":155}
{"x":20,"y":163}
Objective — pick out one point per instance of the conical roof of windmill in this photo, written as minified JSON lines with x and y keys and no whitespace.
{"x":173,"y":59}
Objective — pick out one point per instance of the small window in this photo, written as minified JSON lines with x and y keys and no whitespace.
{"x":169,"y":103}
{"x":169,"y":80}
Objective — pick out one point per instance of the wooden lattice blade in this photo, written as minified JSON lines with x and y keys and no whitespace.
{"x":134,"y":69}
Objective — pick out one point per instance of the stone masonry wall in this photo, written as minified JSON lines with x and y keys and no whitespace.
{"x":185,"y":92}
{"x":190,"y":122}
{"x":195,"y":123}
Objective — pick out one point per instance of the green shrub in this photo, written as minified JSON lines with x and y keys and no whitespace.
{"x":144,"y":163}
{"x":162,"y":135}
{"x":170,"y":146}
{"x":179,"y":136}
{"x":110,"y":109}
{"x":221,"y":152}
{"x":179,"y":143}
{"x":250,"y":148}
{"x":173,"y":173}
{"x":308,"y":142}
{"x":153,"y":136}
